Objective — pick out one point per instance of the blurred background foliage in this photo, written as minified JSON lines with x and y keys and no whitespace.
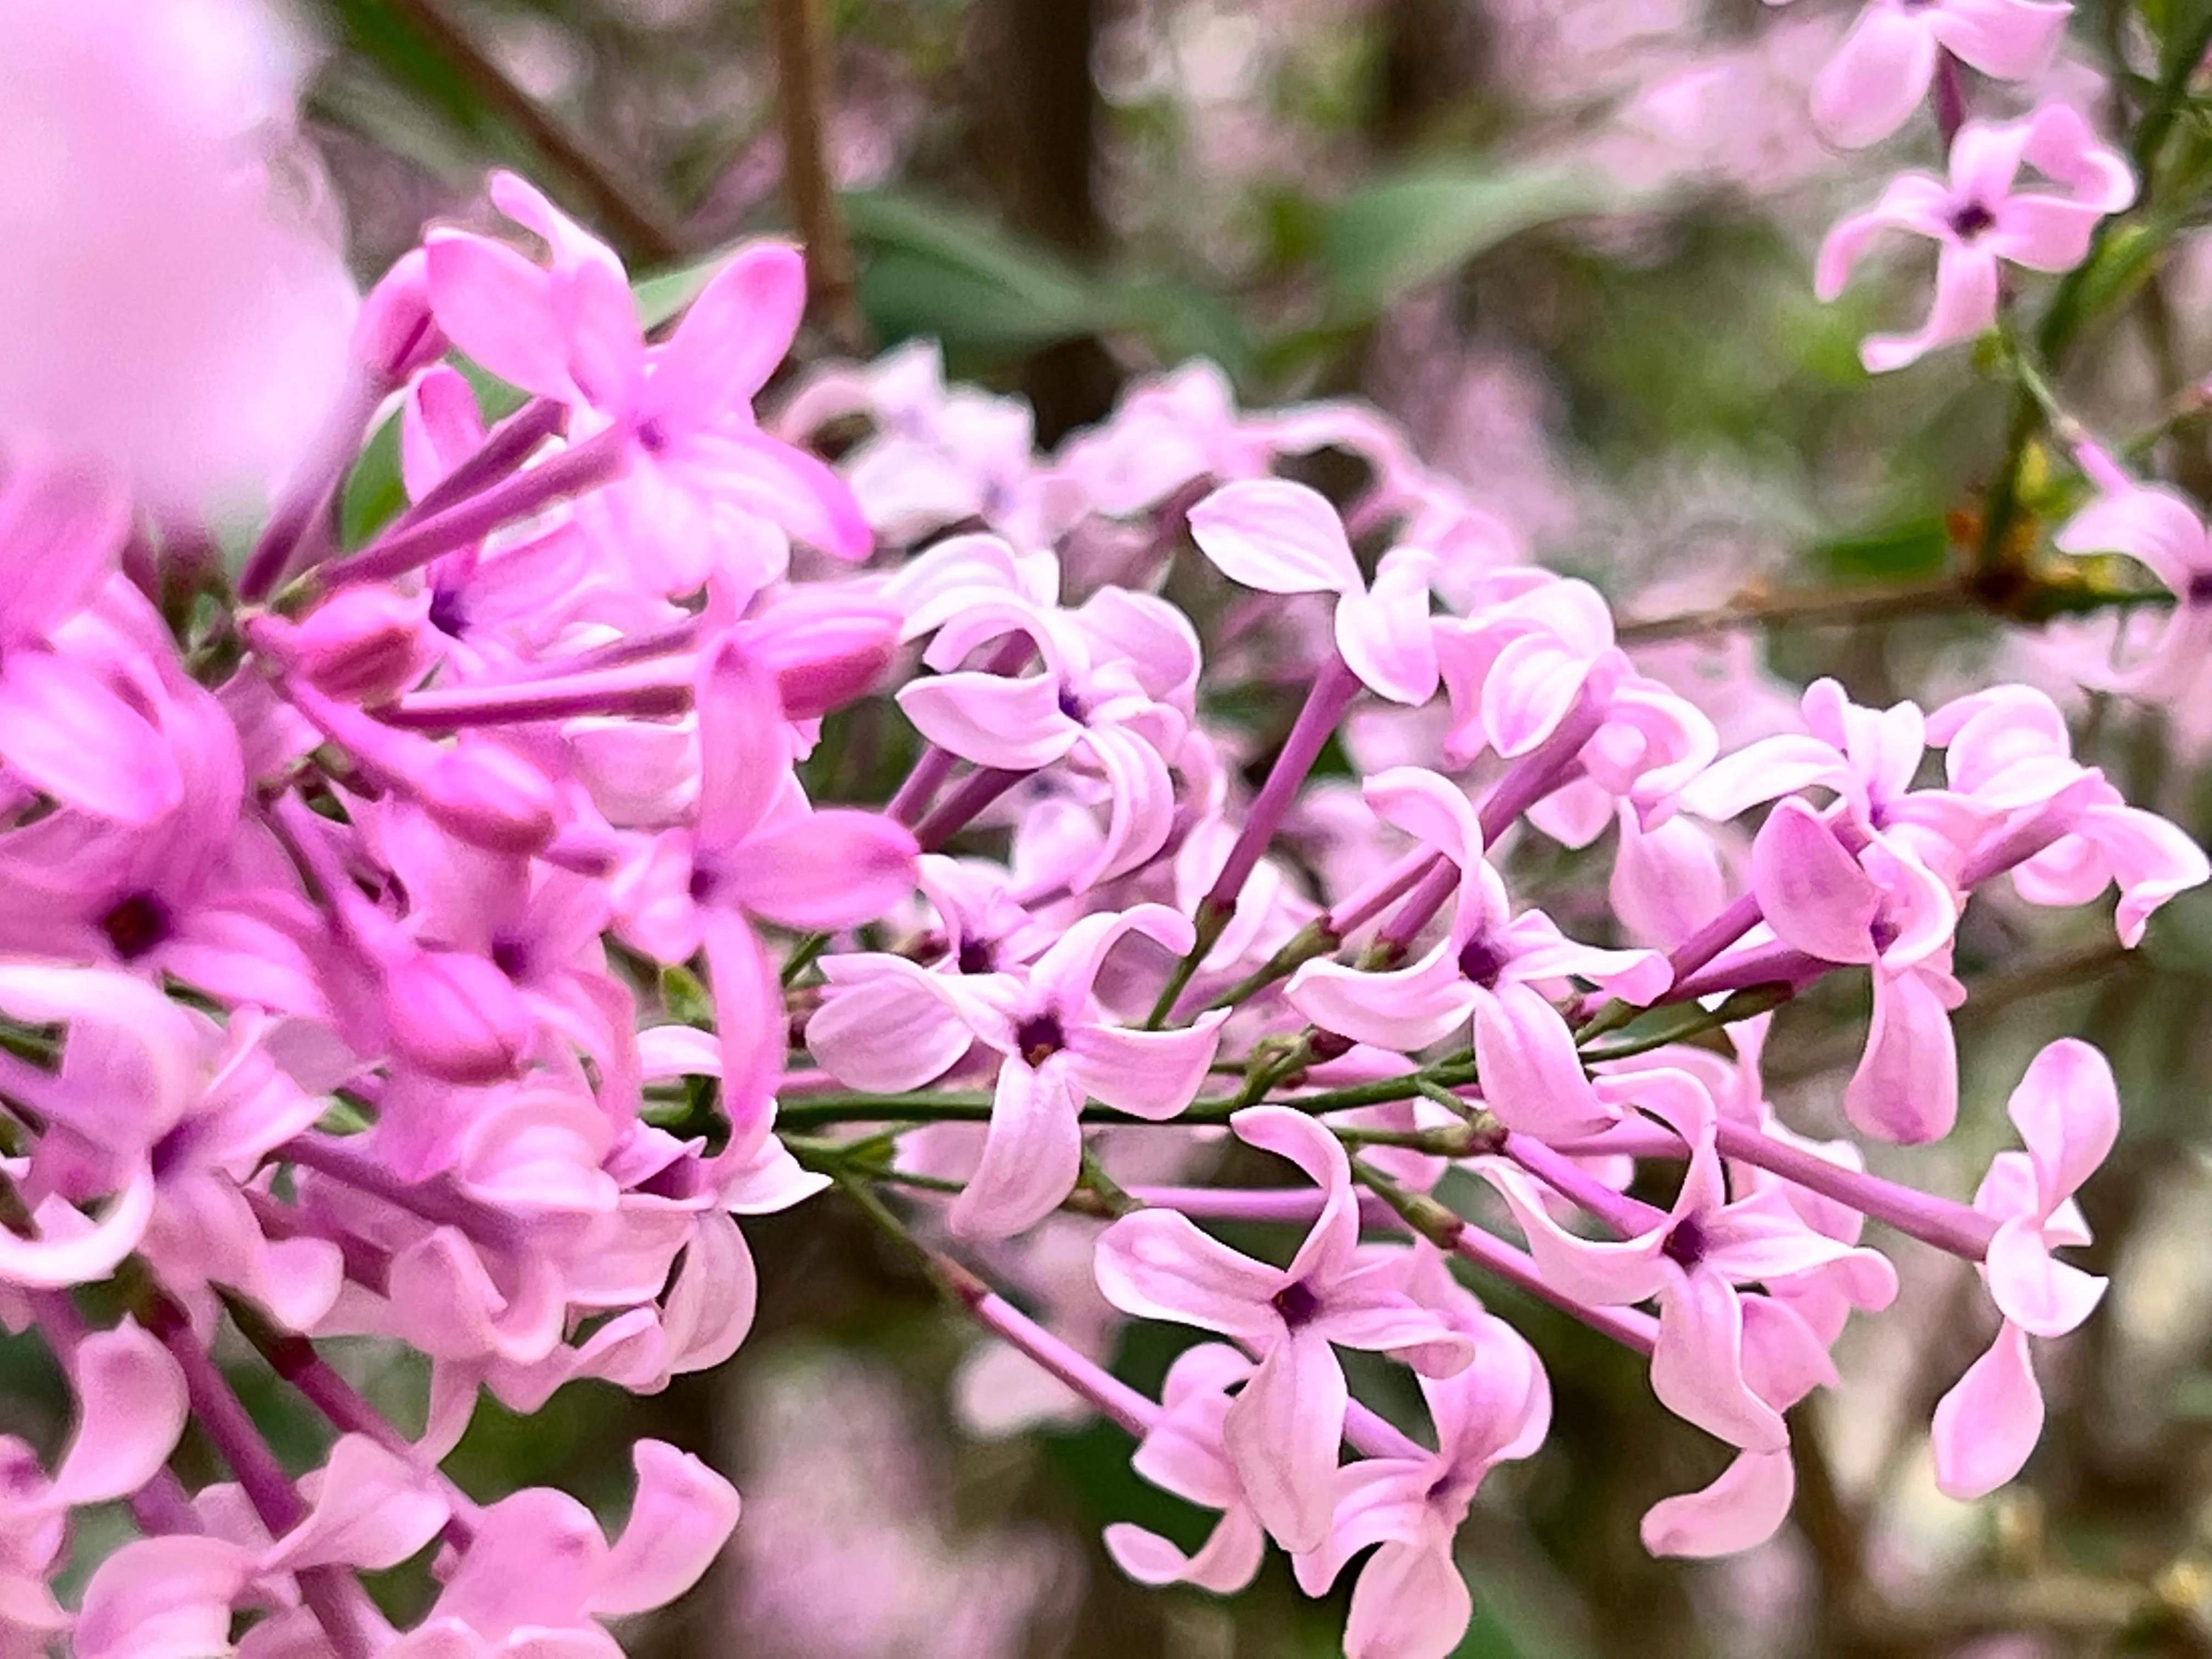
{"x":1569,"y":245}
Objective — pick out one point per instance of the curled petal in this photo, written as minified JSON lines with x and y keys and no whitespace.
{"x":1906,"y":1087}
{"x":2006,"y":39}
{"x":1032,"y":1153}
{"x":131,"y":1409}
{"x":1147,"y":1074}
{"x":1277,"y":536}
{"x":683,"y":1515}
{"x":1282,"y":1432}
{"x":887,"y":1029}
{"x":1532,"y":1076}
{"x":731,"y":336}
{"x":1157,"y":1264}
{"x":1989,"y":1423}
{"x":1696,"y":1369}
{"x":1228,"y":1560}
{"x":1912,"y":202}
{"x":1609,"y":1273}
{"x":371,"y":1510}
{"x":1745,"y":1507}
{"x":2066,"y":1109}
{"x":1811,"y":892}
{"x":1410,"y":1602}
{"x":1876,"y":78}
{"x":1966,"y":304}
{"x":991,"y":719}
{"x":1384,"y":635}
{"x":1404,"y":1009}
{"x":2043,"y":1296}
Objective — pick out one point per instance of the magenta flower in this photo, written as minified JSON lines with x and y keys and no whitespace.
{"x":1882,"y":70}
{"x":1283,"y":1429}
{"x":1516,"y":666}
{"x":1186,"y":1453}
{"x":1978,"y":219}
{"x":1489,"y":966}
{"x":756,"y":848}
{"x":1691,"y":1259}
{"x":2067,"y":1113}
{"x":1410,"y":1601}
{"x":571,"y":332}
{"x":65,"y":729}
{"x":1282,"y":537}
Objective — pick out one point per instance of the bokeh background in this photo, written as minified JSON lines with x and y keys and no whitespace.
{"x":1567,"y":243}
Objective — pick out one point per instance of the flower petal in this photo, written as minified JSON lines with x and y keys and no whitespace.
{"x":1282,"y":1432}
{"x":1157,"y":1264}
{"x":1989,"y":1423}
{"x":1277,"y":536}
{"x":1032,"y":1153}
{"x":1745,"y":1507}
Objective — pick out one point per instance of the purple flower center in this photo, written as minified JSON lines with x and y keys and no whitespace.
{"x":1685,"y":1245}
{"x":511,"y":956}
{"x":702,"y":884}
{"x":447,"y":614}
{"x":1970,"y":221}
{"x":1072,"y":706}
{"x":977,"y":956}
{"x":1296,"y":1305}
{"x":1482,"y":962}
{"x":138,"y":923}
{"x":2199,"y":590}
{"x":1039,"y":1038}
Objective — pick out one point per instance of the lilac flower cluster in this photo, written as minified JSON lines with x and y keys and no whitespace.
{"x":445,"y":940}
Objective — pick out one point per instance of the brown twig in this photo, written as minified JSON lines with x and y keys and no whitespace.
{"x":620,"y":206}
{"x":802,"y":78}
{"x":2025,"y":600}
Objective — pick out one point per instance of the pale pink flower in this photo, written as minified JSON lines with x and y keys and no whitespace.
{"x":1282,"y":537}
{"x":1490,"y":967}
{"x":1979,"y":218}
{"x":1692,"y":1259}
{"x":1882,"y":70}
{"x":2068,"y":1112}
{"x":1410,"y":1600}
{"x":1186,"y":1453}
{"x":1282,"y":1430}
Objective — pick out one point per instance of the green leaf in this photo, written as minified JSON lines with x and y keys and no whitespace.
{"x":942,"y":272}
{"x":374,"y":495}
{"x":1386,"y":239}
{"x":1917,"y":548}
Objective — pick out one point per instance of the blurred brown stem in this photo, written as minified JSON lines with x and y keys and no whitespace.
{"x":620,"y":206}
{"x":2026,"y":599}
{"x":802,"y":79}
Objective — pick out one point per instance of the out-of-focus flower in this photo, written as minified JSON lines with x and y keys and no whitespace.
{"x":177,"y":308}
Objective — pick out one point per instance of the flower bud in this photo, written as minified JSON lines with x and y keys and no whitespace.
{"x":825,"y":649}
{"x":395,"y":333}
{"x":488,"y":796}
{"x":364,"y":645}
{"x":456,"y":1016}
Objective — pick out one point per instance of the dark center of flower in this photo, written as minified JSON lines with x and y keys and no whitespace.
{"x":652,"y":437}
{"x":137,"y":925}
{"x":977,"y":956}
{"x":1039,"y":1038}
{"x":1685,"y":1245}
{"x":1884,"y":931}
{"x":1970,"y":221}
{"x":1482,"y":962}
{"x":1071,"y":705}
{"x":447,"y":614}
{"x":1296,"y":1305}
{"x":702,"y":884}
{"x":511,"y":956}
{"x":2199,"y":590}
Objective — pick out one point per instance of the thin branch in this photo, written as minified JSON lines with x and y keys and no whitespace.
{"x":621,"y":206}
{"x":802,"y":79}
{"x":2026,"y":599}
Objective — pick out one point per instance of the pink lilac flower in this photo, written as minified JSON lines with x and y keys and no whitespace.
{"x":1979,"y":218}
{"x":1410,"y":1600}
{"x":1186,"y":1453}
{"x":1692,"y":1259}
{"x":1283,"y":538}
{"x":1882,"y":70}
{"x":694,"y":451}
{"x":2067,"y":1113}
{"x":1058,"y":1049}
{"x":1491,"y":966}
{"x":2155,"y":526}
{"x":1282,"y":1430}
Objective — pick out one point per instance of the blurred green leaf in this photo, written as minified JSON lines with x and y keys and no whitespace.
{"x":940,"y":271}
{"x":1388,"y":238}
{"x":374,"y":493}
{"x":1915,"y":548}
